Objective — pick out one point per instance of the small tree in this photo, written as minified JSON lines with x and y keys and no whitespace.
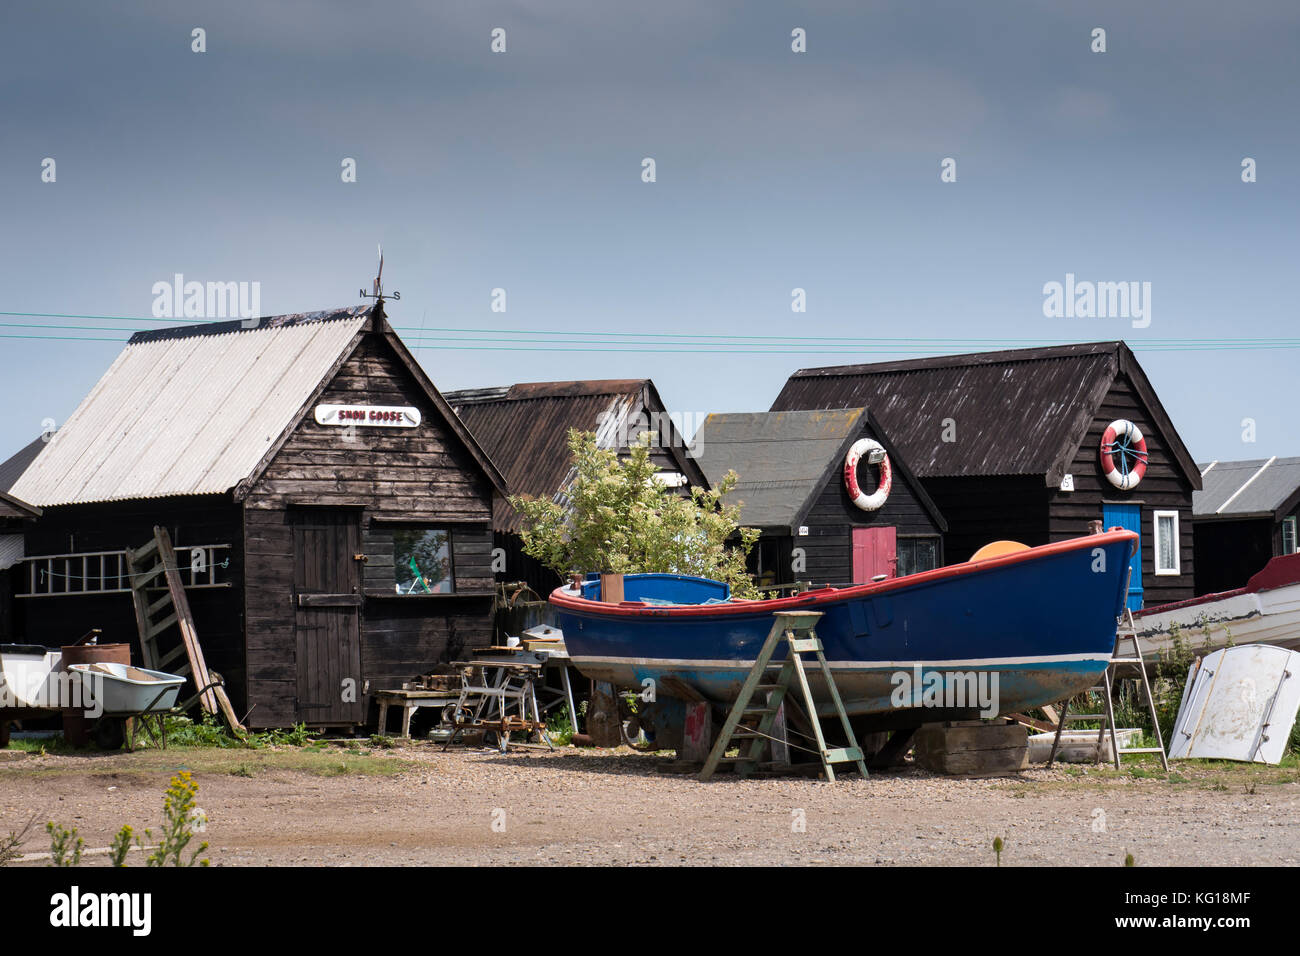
{"x":617,"y":517}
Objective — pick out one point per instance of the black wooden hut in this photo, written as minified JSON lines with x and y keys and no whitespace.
{"x":339,"y":509}
{"x":1009,"y":445}
{"x":15,"y":518}
{"x":524,"y":428}
{"x":1246,"y":514}
{"x":791,"y":486}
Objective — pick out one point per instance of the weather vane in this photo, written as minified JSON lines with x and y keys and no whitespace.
{"x":378,"y":292}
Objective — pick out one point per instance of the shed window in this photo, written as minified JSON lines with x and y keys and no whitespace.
{"x":1288,"y":535}
{"x":1166,"y":535}
{"x":917,"y":554}
{"x":422,"y":561}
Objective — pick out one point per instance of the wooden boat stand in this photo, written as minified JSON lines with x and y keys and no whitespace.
{"x":1125,"y":632}
{"x":752,"y":726}
{"x":158,"y":559}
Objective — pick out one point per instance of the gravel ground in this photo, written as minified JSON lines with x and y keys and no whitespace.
{"x":603,"y":807}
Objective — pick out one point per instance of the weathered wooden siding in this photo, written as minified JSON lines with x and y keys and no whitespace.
{"x":11,"y":524}
{"x":1163,"y":488}
{"x":1229,"y":552}
{"x":981,"y":509}
{"x":218,"y":613}
{"x":828,"y":547}
{"x":423,"y":477}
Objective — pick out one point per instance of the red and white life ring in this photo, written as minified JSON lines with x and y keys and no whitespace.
{"x":864,"y":501}
{"x":1136,"y":446}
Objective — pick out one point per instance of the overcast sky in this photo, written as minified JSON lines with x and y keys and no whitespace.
{"x":775,"y":170}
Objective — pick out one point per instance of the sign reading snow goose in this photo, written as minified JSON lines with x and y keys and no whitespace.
{"x":368,"y":416}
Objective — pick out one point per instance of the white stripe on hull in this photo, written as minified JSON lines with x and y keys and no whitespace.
{"x":733,"y":664}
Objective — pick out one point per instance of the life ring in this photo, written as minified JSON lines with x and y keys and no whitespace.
{"x":1123,"y":439}
{"x":864,"y":501}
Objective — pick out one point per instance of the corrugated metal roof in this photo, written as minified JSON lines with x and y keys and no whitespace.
{"x":524,"y":429}
{"x":13,"y":467}
{"x":1255,"y":487}
{"x":12,"y":550}
{"x":1014,"y":411}
{"x":779,"y":457}
{"x":189,"y":411}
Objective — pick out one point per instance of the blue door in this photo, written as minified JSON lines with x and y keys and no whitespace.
{"x":1128,"y":517}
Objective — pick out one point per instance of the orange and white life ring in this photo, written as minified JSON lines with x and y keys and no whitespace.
{"x":867,"y":502}
{"x":1123,"y":440}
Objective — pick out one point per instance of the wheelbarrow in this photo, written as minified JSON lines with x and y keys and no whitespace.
{"x":122,"y":692}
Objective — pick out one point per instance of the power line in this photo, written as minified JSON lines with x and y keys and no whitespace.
{"x":652,"y":342}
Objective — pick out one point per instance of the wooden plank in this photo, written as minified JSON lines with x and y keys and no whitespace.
{"x":1026,"y":720}
{"x":165,"y":662}
{"x":214,"y":699}
{"x":158,"y":627}
{"x":972,"y":747}
{"x":140,"y":604}
{"x":979,"y":762}
{"x":676,"y":687}
{"x":329,"y":600}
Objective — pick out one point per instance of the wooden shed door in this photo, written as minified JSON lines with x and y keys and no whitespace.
{"x":327,"y":595}
{"x":875,"y":552}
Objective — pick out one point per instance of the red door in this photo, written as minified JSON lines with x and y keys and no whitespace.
{"x":875,"y":552}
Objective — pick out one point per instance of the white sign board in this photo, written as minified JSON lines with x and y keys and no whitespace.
{"x":368,"y":416}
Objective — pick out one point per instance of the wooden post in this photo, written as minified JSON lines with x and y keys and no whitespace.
{"x":603,"y":724}
{"x":697,"y":735}
{"x":780,"y":743}
{"x":611,"y":588}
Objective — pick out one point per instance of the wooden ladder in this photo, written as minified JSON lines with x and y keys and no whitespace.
{"x":751,"y":727}
{"x":1126,"y":631}
{"x":154,"y":617}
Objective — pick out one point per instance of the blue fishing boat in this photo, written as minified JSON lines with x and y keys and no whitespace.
{"x":1029,"y":627}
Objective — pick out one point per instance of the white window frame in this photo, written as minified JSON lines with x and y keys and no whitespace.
{"x":1295,"y":539}
{"x":1177,"y":569}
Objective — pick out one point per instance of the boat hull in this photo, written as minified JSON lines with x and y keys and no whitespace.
{"x":1265,"y":611}
{"x":1271,"y":617}
{"x":1039,"y":625}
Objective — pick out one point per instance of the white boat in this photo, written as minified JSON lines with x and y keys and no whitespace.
{"x":120,"y":689}
{"x":28,"y":677}
{"x":1240,"y":704}
{"x":1080,"y":746}
{"x":1265,"y":611}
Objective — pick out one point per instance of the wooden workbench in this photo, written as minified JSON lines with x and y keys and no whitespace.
{"x":410,"y":701}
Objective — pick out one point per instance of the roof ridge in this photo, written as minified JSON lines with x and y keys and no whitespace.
{"x":238,"y":325}
{"x":1000,"y":357}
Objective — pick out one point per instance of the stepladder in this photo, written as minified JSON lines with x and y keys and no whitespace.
{"x":158,"y":595}
{"x":750,"y":721}
{"x":1120,"y":661}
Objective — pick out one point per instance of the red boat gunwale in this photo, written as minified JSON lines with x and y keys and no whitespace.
{"x":1190,"y":602}
{"x":561,"y":597}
